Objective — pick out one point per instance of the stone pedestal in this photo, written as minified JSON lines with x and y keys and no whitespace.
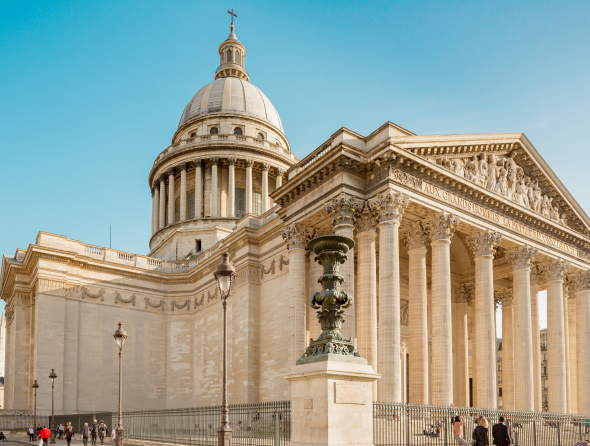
{"x":332,"y":402}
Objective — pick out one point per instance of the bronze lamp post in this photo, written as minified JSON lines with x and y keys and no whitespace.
{"x":120,"y":336}
{"x":52,"y":376}
{"x":35,"y":387}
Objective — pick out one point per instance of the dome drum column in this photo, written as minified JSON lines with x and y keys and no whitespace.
{"x":170,"y":196}
{"x":162,"y":213}
{"x":198,"y":188}
{"x":182,"y":168}
{"x":265,"y":167}
{"x":248,"y":163}
{"x":214,"y":188}
{"x":231,"y":193}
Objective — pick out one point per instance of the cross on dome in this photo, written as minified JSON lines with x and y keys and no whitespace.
{"x":232,"y":20}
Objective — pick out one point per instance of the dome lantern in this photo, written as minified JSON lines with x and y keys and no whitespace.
{"x":232,"y":55}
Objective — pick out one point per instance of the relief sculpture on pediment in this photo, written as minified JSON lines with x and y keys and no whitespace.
{"x":501,"y":174}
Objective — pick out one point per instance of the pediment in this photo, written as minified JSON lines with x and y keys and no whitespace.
{"x":513,"y":170}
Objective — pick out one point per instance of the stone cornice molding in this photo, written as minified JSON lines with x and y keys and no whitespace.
{"x":416,"y":237}
{"x":522,"y":258}
{"x":389,"y":206}
{"x":341,"y":209}
{"x":442,"y":227}
{"x":295,"y":236}
{"x":484,"y":243}
{"x":581,"y":281}
{"x":365,"y":217}
{"x":556,"y":271}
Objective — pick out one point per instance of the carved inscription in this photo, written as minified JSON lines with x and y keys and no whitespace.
{"x":350,"y":392}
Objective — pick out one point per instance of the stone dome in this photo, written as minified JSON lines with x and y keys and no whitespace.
{"x":233,"y":95}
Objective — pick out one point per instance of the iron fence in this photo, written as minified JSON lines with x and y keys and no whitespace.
{"x":397,"y":424}
{"x":11,"y":420}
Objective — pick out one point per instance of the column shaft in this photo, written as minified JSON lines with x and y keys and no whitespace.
{"x":279,"y":179}
{"x":198,"y":189}
{"x":265,"y":188}
{"x":536,"y":343}
{"x":571,"y":309}
{"x":183,"y":193}
{"x":171,"y":198}
{"x":566,"y":337}
{"x":248,"y":186}
{"x":214,"y":188}
{"x":155,"y":205}
{"x":507,"y":356}
{"x":418,"y":326}
{"x":162,"y":213}
{"x":231,"y":199}
{"x":390,"y":384}
{"x":583,"y":342}
{"x":461,"y":350}
{"x":524,"y":393}
{"x":556,"y":346}
{"x":367,"y":298}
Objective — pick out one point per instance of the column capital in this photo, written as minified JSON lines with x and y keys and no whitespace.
{"x":295,"y":236}
{"x":279,"y":171}
{"x":214,"y":161}
{"x":415,"y":237}
{"x":171,"y":171}
{"x":232,"y":161}
{"x":198,"y":162}
{"x":464,"y":293}
{"x":442,"y":226}
{"x":484,"y":243}
{"x":555,"y":271}
{"x":535,"y":273}
{"x":341,"y":209}
{"x":265,"y":166}
{"x":153,"y":191}
{"x":182,"y":166}
{"x":248,"y":162}
{"x":521,"y":258}
{"x":505,"y":297}
{"x":581,"y":281}
{"x":389,"y":206}
{"x":365,"y":217}
{"x":162,"y":178}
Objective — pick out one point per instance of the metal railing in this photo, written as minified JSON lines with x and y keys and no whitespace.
{"x":417,"y":425}
{"x":11,"y":420}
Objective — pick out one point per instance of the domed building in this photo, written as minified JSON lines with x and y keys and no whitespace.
{"x":228,"y":153}
{"x":447,"y":229}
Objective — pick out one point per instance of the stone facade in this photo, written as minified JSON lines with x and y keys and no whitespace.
{"x":446,"y":227}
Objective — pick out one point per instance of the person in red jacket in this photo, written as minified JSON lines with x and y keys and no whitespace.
{"x":45,"y":434}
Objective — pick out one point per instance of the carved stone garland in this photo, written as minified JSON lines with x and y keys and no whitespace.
{"x":148,"y":303}
{"x":186,"y":304}
{"x":119,"y":298}
{"x":99,"y":295}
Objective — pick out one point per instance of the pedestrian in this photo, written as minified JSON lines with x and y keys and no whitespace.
{"x":457,"y":428}
{"x":114,"y":434}
{"x":102,"y":431}
{"x":57,"y":432}
{"x":45,"y":434}
{"x":583,"y":443}
{"x":480,"y":433}
{"x":31,"y":434}
{"x":85,"y":434}
{"x":38,"y":431}
{"x":500,"y":433}
{"x":69,"y":431}
{"x":61,"y":431}
{"x":94,"y":432}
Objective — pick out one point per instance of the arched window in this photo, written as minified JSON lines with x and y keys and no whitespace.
{"x":193,"y":135}
{"x":260,"y":136}
{"x":214,"y":131}
{"x":229,"y":58}
{"x":238,"y":58}
{"x":238,"y":131}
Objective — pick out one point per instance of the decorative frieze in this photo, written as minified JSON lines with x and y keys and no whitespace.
{"x":484,"y":243}
{"x":282,"y":262}
{"x":186,"y":304}
{"x":416,"y":237}
{"x":341,"y":209}
{"x":392,"y":173}
{"x":86,"y":293}
{"x":523,"y":257}
{"x":119,"y":298}
{"x":295,"y":236}
{"x":555,"y":271}
{"x":442,"y":226}
{"x":160,"y":304}
{"x":389,"y":206}
{"x":271,"y":268}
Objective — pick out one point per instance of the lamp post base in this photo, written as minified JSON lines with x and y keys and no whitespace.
{"x":224,"y":436}
{"x":119,"y":436}
{"x":52,"y":438}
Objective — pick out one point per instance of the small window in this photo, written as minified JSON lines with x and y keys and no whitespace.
{"x":191,"y":205}
{"x":229,"y":58}
{"x":214,"y":131}
{"x":238,"y":131}
{"x":240,"y":202}
{"x":193,"y":135}
{"x":500,"y":392}
{"x":260,"y":136}
{"x":257,"y":203}
{"x":238,"y":58}
{"x":198,"y":246}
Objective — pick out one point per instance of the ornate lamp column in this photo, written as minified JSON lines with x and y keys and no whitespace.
{"x":296,"y":238}
{"x":441,"y":229}
{"x":231,"y":186}
{"x":171,"y":216}
{"x":582,"y":286}
{"x":366,"y":330}
{"x":265,"y":167}
{"x":52,"y":377}
{"x":162,"y":212}
{"x":120,"y":336}
{"x":415,"y":240}
{"x":214,"y":188}
{"x":483,"y":246}
{"x":35,"y":387}
{"x":555,"y":273}
{"x":182,"y":168}
{"x":389,"y":206}
{"x":249,"y":163}
{"x":341,"y":209}
{"x":536,"y":342}
{"x":198,"y":188}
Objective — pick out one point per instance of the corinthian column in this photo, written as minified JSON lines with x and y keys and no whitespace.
{"x":231,"y":186}
{"x":248,"y":164}
{"x":171,"y":203}
{"x":582,"y":286}
{"x":441,"y":229}
{"x":182,"y":168}
{"x":461,"y":347}
{"x":155,"y":205}
{"x":341,"y":209}
{"x":296,"y":238}
{"x":279,"y":179}
{"x":507,"y":351}
{"x":214,"y":188}
{"x":198,"y":188}
{"x":366,"y":296}
{"x":555,"y":273}
{"x":389,"y":207}
{"x":162,"y":213}
{"x":566,"y":336}
{"x":415,"y":240}
{"x":536,"y":342}
{"x":524,"y":392}
{"x":483,"y":246}
{"x":265,"y":167}
{"x":571,"y":311}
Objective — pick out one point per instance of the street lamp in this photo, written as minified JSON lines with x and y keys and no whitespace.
{"x":120,"y":336}
{"x":52,"y":376}
{"x":225,"y":274}
{"x":35,"y":386}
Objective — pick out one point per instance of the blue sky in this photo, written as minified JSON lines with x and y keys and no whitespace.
{"x":91,"y":92}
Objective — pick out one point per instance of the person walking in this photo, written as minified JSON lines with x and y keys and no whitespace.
{"x":114,"y":434}
{"x":69,"y":431}
{"x":102,"y":431}
{"x":31,"y":434}
{"x":500,"y":433}
{"x":45,"y":434}
{"x":480,"y":433}
{"x":57,"y":432}
{"x":94,"y":432}
{"x":85,"y":434}
{"x":61,"y":431}
{"x":457,"y":428}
